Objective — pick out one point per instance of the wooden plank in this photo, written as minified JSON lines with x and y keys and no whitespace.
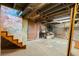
{"x":71,"y":30}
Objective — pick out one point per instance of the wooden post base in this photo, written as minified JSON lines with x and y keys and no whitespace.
{"x":77,"y":44}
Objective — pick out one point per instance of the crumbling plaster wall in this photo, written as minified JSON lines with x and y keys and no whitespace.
{"x":11,"y":23}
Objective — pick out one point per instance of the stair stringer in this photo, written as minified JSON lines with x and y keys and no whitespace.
{"x":11,"y":39}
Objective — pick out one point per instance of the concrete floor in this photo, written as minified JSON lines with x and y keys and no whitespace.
{"x":42,"y":47}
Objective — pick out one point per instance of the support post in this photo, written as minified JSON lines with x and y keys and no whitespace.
{"x":71,"y":30}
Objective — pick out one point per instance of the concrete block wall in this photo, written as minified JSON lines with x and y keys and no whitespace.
{"x":61,"y":32}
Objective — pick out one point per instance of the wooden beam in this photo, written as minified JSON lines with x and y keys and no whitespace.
{"x":71,"y":29}
{"x":50,"y":13}
{"x":35,"y":10}
{"x":49,"y":8}
{"x":63,"y":12}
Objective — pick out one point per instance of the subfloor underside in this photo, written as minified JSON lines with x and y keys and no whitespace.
{"x":43,"y":47}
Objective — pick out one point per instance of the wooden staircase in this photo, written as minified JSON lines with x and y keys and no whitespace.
{"x":11,"y":39}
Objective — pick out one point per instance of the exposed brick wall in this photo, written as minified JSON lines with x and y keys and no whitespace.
{"x":33,"y":30}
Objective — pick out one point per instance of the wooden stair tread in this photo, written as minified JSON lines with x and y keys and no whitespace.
{"x":20,"y":43}
{"x":4,"y":32}
{"x":10,"y":37}
{"x":15,"y":40}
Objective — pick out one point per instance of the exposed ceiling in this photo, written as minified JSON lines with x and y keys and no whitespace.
{"x":41,"y":11}
{"x":18,"y":6}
